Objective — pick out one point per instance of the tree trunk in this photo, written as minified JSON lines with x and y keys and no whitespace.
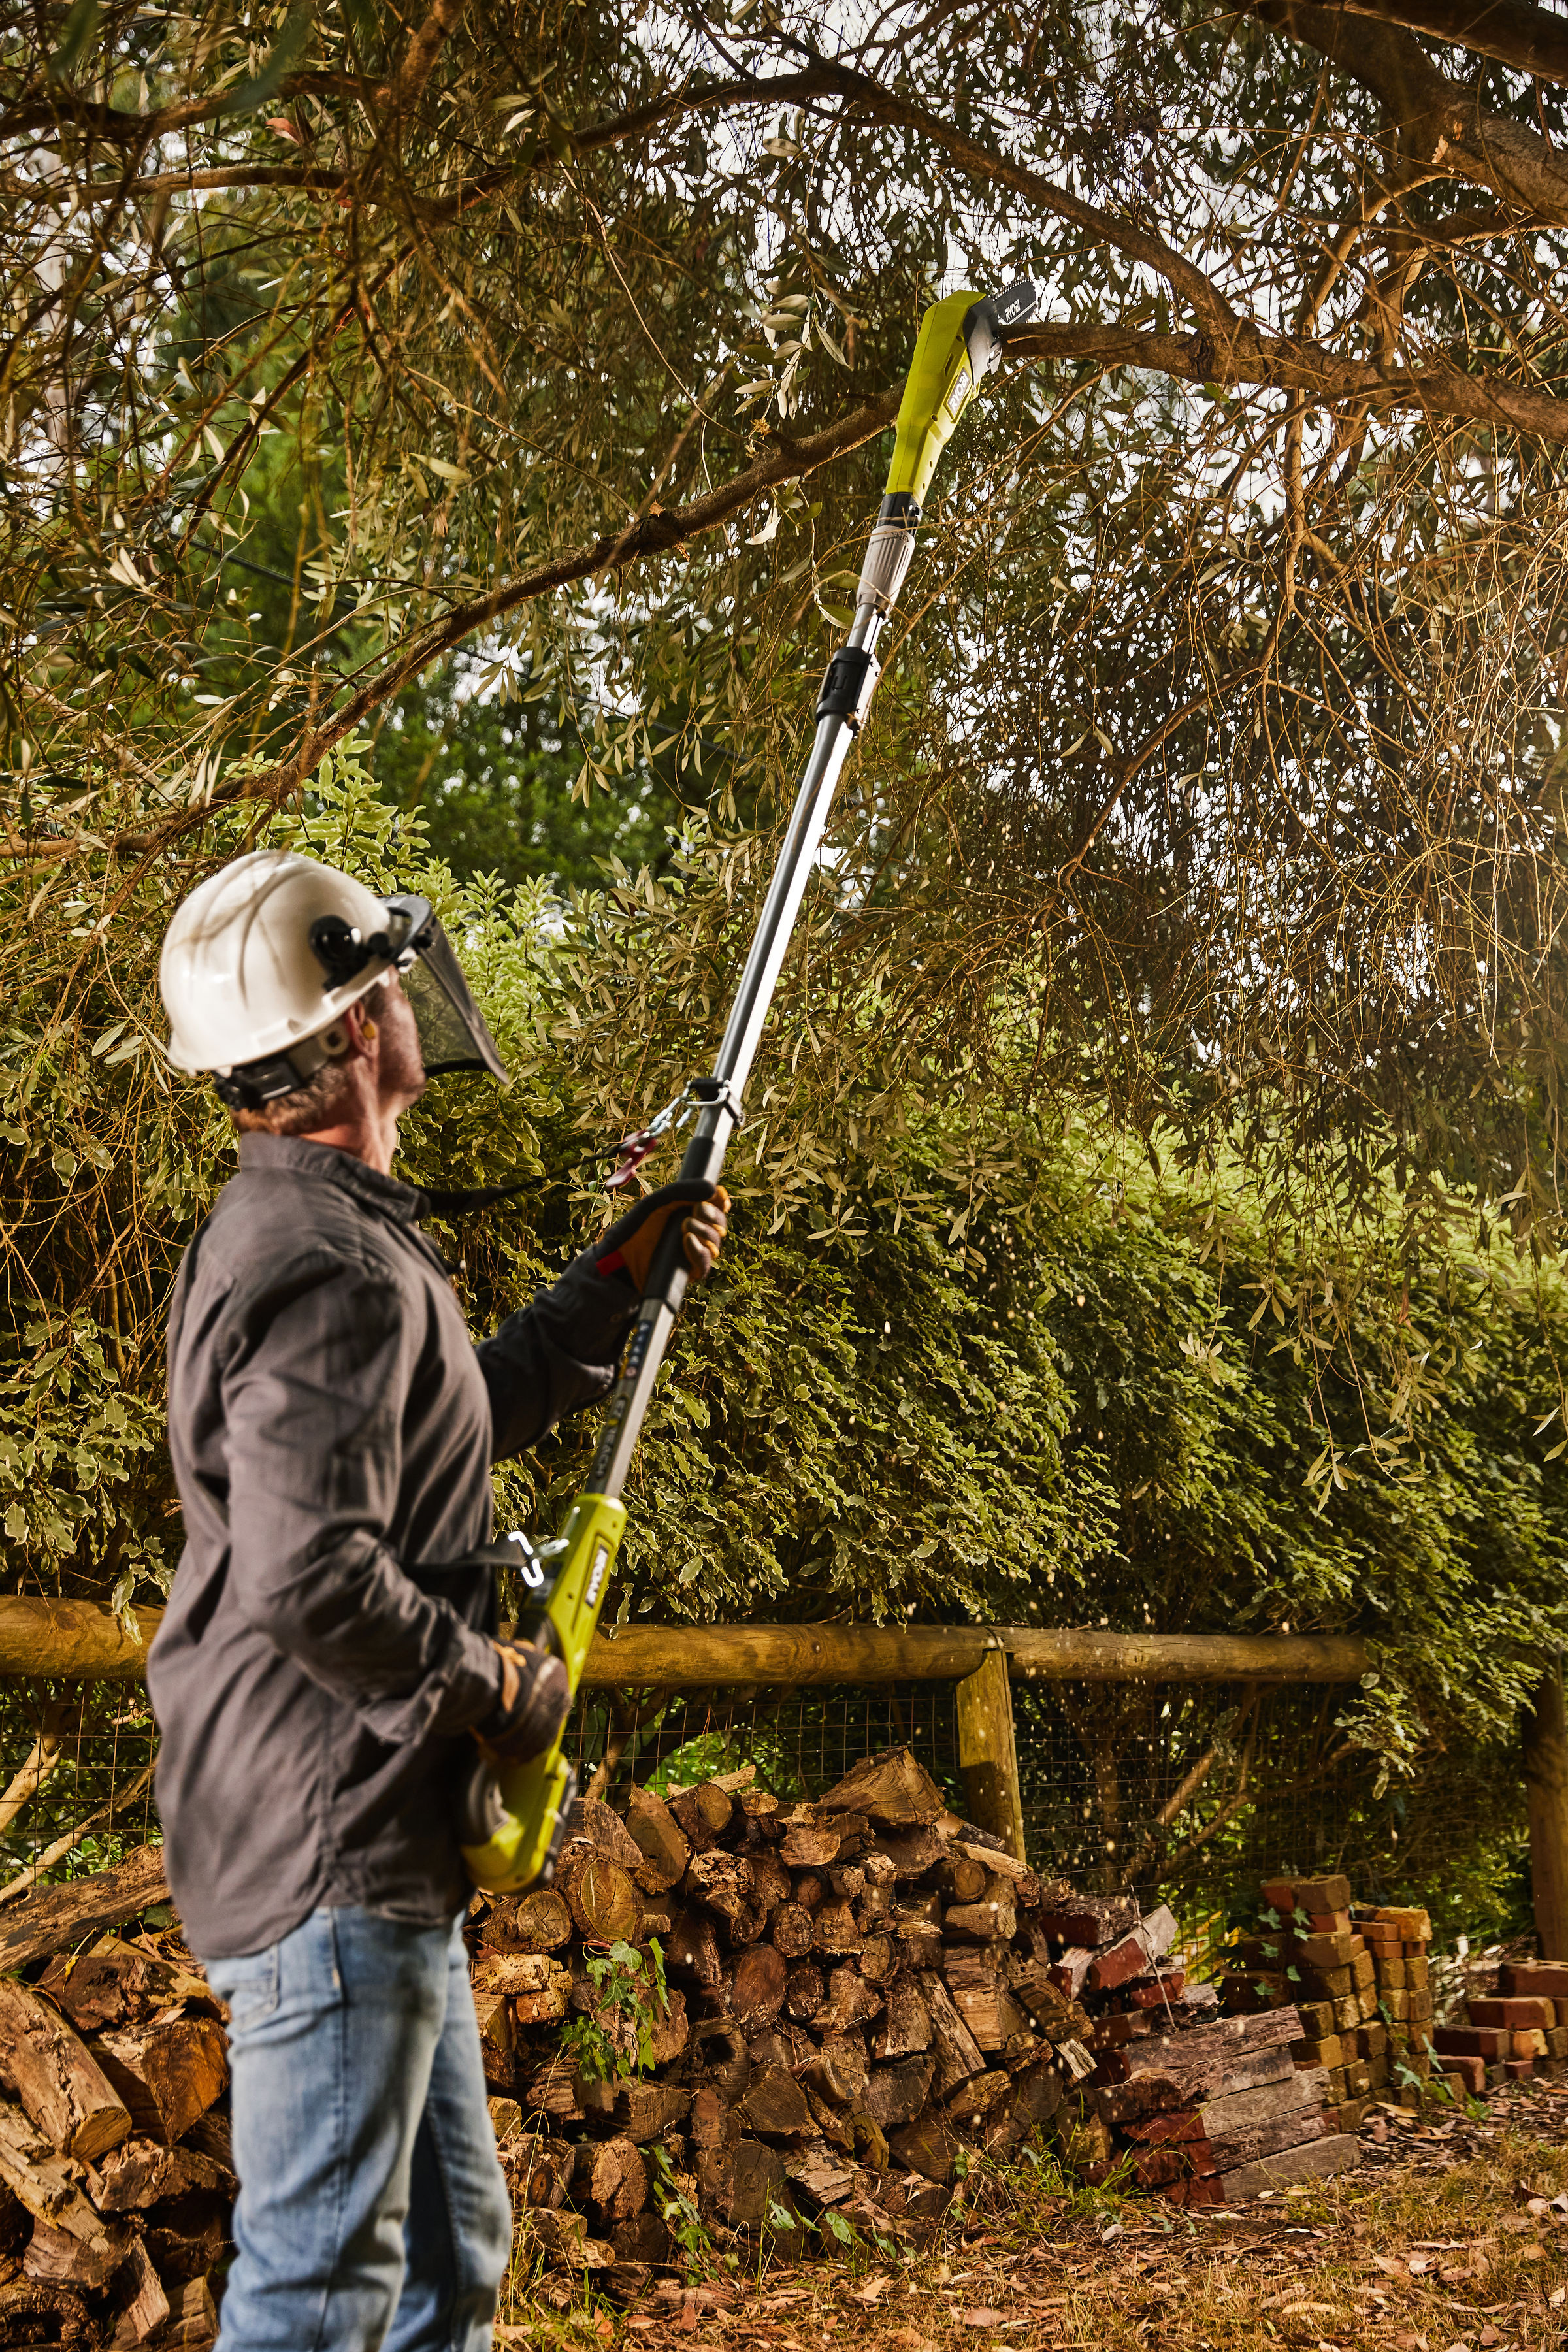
{"x":1546,"y":1778}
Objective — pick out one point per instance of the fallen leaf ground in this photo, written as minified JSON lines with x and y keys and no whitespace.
{"x":1451,"y":2237}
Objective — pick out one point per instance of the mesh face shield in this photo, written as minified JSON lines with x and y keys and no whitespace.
{"x":409,"y":940}
{"x":452,"y":1033}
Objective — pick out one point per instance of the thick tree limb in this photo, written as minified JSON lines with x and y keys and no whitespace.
{"x":1531,"y":40}
{"x":866,"y":98}
{"x":783,"y":459}
{"x":1245,"y":356}
{"x":65,"y":1915}
{"x":407,"y":85}
{"x":610,"y":130}
{"x":26,"y":1783}
{"x":1291,"y":363}
{"x":1123,"y":236}
{"x":1438,"y":120}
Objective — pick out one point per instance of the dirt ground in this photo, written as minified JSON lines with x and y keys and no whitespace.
{"x":1451,"y":2237}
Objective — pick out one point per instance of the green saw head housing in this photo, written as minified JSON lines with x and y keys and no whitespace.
{"x":960,"y":342}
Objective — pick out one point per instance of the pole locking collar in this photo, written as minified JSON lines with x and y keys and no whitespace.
{"x":847,"y":689}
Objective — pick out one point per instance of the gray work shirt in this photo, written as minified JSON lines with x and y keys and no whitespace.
{"x":331,"y":1424}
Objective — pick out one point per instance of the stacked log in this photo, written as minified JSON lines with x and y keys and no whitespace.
{"x":727,"y":2014}
{"x":115,"y":2183}
{"x":862,"y":1992}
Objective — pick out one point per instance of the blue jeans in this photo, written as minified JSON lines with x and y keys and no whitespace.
{"x":371,"y":2207}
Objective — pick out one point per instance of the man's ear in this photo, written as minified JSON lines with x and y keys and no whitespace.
{"x":360,"y":1032}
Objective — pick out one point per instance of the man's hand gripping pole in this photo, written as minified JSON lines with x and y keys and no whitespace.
{"x":960,"y":342}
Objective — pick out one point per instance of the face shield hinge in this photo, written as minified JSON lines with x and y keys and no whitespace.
{"x":343,"y":951}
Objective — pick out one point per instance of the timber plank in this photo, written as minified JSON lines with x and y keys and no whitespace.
{"x":51,"y":1921}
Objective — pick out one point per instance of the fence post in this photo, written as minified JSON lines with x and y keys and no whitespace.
{"x":1545,"y":1727}
{"x":987,"y":1755}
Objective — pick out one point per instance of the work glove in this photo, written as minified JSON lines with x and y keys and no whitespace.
{"x":627,"y":1246}
{"x":536,"y":1699}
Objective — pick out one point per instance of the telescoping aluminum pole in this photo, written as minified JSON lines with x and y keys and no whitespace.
{"x":522,"y":1809}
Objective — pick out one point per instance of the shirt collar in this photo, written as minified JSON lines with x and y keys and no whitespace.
{"x":322,"y":1162}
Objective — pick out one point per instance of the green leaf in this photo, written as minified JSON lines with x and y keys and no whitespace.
{"x":250,"y":97}
{"x":76,"y":36}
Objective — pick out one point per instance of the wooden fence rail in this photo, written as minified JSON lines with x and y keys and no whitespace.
{"x":74,"y":1641}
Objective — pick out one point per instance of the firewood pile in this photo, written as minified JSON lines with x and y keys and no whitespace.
{"x":863,"y":1993}
{"x":727,"y":2013}
{"x":115,"y":2186}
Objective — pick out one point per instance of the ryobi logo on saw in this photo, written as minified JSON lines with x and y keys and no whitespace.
{"x":596,"y":1574}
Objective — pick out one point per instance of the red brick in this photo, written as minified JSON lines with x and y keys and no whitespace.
{"x":1117,"y":1963}
{"x":1155,"y":1996}
{"x":1185,"y":2123}
{"x":1517,"y":2012}
{"x":1335,"y":1950}
{"x":1329,"y":1922}
{"x":1112,"y":2032}
{"x":1540,"y":1980}
{"x":1406,"y":1921}
{"x":1472,"y":2041}
{"x":1471,"y":2072}
{"x":1279,"y":1895}
{"x":1518,"y":2070}
{"x":1322,"y":1894}
{"x":1193,"y":2192}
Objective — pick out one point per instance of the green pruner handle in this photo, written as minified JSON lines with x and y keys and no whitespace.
{"x":527,"y":1803}
{"x":532,"y":1801}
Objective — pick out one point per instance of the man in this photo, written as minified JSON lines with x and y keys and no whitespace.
{"x":325,"y":1664}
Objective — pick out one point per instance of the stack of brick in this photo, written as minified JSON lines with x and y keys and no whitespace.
{"x":1399,"y":1939}
{"x":1357,"y":1974}
{"x":1307,"y":1954}
{"x":1520,"y":2031}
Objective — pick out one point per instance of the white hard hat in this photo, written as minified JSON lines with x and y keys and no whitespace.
{"x":265,"y":957}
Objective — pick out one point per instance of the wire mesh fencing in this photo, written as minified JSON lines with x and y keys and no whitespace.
{"x":800,"y":1740}
{"x":1194,"y":1794}
{"x":76,"y":1761}
{"x":1191,"y":1793}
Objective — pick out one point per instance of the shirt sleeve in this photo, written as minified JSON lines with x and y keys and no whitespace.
{"x":557,"y":1354}
{"x":313,"y":1388}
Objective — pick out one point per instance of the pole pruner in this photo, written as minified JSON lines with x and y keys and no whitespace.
{"x":521,"y":1810}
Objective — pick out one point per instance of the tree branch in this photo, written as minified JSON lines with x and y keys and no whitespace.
{"x":784,"y":458}
{"x":1247,"y":356}
{"x":1531,"y":40}
{"x":1438,"y":120}
{"x":1295,"y":363}
{"x":407,"y":85}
